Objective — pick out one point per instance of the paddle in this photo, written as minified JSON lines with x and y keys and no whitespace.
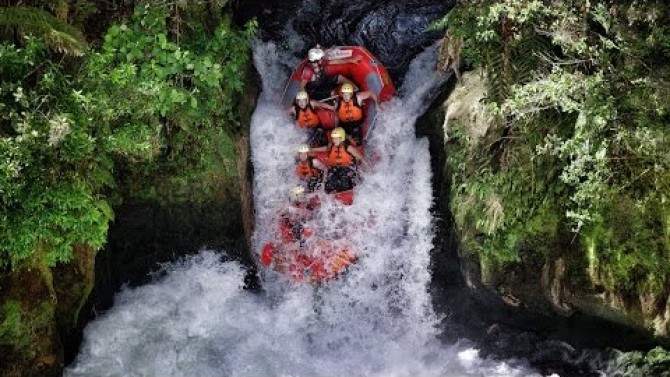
{"x":328,"y":99}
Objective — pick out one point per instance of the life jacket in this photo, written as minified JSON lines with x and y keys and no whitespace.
{"x":305,"y":170}
{"x":339,"y":156}
{"x":349,"y":111}
{"x":307,"y":117}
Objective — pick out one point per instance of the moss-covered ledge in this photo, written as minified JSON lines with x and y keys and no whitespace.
{"x":39,"y":305}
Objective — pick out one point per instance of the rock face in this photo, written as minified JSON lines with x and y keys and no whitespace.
{"x":40,"y":307}
{"x":555,"y":291}
{"x":395,"y":31}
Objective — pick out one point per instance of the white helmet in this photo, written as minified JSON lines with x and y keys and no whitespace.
{"x":301,"y":95}
{"x":296,"y":192}
{"x":303,"y":148}
{"x":315,"y":54}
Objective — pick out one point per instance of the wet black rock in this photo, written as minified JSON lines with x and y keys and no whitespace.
{"x":395,"y":31}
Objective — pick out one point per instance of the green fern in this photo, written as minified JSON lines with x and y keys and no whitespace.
{"x":498,"y":79}
{"x":526,"y":55}
{"x":515,"y":63}
{"x":59,"y":35}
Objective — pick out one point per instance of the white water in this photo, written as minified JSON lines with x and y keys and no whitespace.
{"x":377,"y":320}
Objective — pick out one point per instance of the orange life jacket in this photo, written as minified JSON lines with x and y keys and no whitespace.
{"x":349,"y":111}
{"x":339,"y":156}
{"x":307,"y":117}
{"x":305,"y":170}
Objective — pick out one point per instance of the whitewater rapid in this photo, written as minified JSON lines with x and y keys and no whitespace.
{"x":377,"y":320}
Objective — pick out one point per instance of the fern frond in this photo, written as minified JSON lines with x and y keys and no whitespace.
{"x":498,"y":80}
{"x":59,"y":35}
{"x":526,"y":55}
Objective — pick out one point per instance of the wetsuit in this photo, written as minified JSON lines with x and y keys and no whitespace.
{"x":319,"y":84}
{"x":341,"y":169}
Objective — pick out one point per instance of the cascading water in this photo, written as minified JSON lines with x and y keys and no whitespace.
{"x":376,"y":320}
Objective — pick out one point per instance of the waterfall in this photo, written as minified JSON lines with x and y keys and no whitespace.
{"x":375,"y":320}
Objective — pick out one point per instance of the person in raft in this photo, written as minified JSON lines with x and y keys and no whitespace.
{"x":350,"y":112}
{"x":317,"y":80}
{"x":308,"y":169}
{"x":298,"y":213}
{"x":341,"y":163}
{"x":304,"y":111}
{"x":294,"y":219}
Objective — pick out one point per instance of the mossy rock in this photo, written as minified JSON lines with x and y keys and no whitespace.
{"x":28,"y":336}
{"x":13,"y":331}
{"x":73,"y":284}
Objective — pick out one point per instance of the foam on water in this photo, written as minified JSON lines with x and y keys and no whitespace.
{"x":377,"y":320}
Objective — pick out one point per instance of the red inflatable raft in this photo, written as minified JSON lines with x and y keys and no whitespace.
{"x":311,"y":259}
{"x":310,"y":256}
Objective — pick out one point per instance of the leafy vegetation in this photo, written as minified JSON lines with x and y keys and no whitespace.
{"x":155,"y":98}
{"x":655,"y":362}
{"x":578,"y":149}
{"x":53,"y":162}
{"x":188,"y":92}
